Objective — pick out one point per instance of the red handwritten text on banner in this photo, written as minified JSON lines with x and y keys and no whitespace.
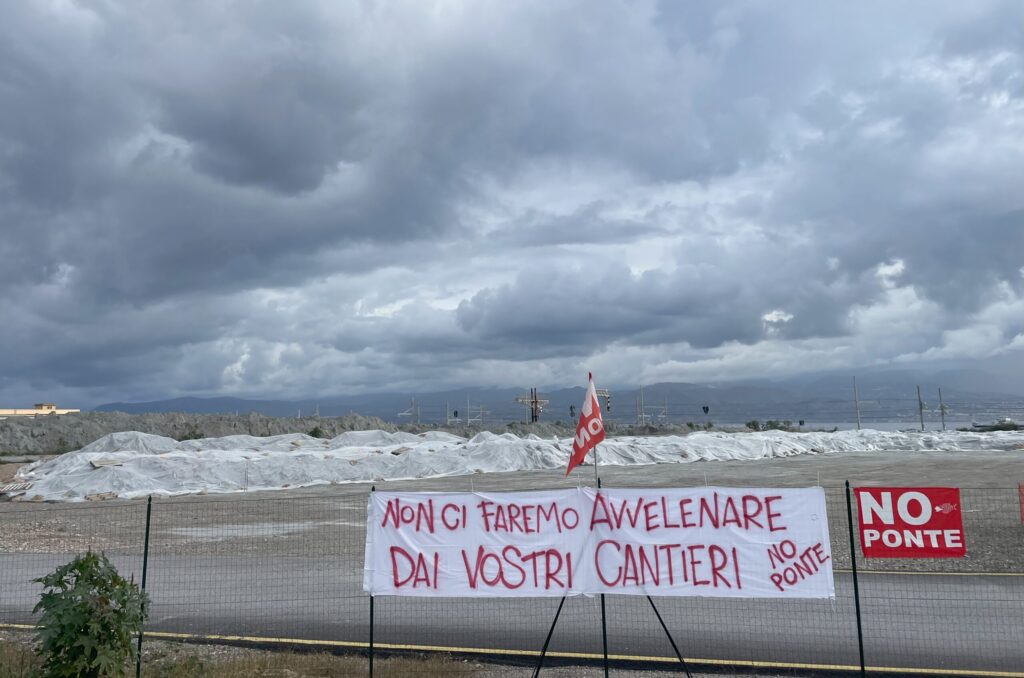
{"x":728,"y":542}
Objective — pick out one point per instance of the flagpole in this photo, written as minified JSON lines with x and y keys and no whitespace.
{"x":590,"y":385}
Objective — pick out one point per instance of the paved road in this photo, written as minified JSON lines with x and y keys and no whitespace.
{"x":917,"y":621}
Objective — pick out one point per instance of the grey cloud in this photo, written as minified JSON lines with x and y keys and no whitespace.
{"x":582,"y":310}
{"x":373,"y":172}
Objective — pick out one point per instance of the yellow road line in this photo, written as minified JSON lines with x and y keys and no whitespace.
{"x":563,"y":655}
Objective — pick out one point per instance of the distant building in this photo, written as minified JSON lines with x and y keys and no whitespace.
{"x":38,"y":410}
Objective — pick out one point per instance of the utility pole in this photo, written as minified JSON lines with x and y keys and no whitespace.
{"x":856,"y":401}
{"x":942,"y":410}
{"x":641,"y":411}
{"x":920,"y":407}
{"x":534,"y":402}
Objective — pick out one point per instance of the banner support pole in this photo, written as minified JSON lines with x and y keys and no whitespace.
{"x":604,"y":637}
{"x":373,"y":488}
{"x":671,"y":640}
{"x":604,"y":619}
{"x":856,"y":587}
{"x":547,"y":641}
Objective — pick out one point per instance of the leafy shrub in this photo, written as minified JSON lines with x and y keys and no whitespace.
{"x":317,"y":432}
{"x":754,"y":425}
{"x":193,"y":433}
{"x":90,"y":617}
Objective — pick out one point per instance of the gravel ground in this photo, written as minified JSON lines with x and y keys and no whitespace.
{"x":329,"y":521}
{"x":210,"y":654}
{"x":7,"y":472}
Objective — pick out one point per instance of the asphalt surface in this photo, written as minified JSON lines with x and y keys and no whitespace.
{"x":914,"y":621}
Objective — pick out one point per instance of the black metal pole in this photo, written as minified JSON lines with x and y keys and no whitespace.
{"x":145,"y":568}
{"x":373,"y":488}
{"x":604,"y":637}
{"x":547,"y":641}
{"x":670,"y":638}
{"x":604,"y":621}
{"x":856,"y":587}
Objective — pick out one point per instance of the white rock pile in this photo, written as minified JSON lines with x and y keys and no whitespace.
{"x":133,"y":464}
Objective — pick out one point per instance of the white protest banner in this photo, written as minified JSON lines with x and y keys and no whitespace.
{"x":707,"y":541}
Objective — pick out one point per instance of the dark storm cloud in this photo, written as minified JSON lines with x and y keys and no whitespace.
{"x":302,"y":198}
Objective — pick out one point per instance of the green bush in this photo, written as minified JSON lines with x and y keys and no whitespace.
{"x":317,"y":432}
{"x":90,"y":617}
{"x":193,"y":433}
{"x":754,"y":425}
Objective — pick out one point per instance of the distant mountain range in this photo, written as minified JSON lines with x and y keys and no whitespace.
{"x":884,"y":396}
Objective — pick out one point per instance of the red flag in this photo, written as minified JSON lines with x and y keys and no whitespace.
{"x":589,"y":430}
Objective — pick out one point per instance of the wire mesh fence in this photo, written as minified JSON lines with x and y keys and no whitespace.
{"x":290,"y":570}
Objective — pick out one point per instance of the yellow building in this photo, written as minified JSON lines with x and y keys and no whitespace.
{"x":38,"y":410}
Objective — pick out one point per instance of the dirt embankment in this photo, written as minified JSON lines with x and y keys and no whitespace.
{"x":57,"y":434}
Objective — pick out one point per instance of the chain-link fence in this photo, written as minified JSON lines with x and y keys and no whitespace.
{"x":289,"y":571}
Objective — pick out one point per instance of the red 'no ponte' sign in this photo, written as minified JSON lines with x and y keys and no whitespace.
{"x":910,"y":522}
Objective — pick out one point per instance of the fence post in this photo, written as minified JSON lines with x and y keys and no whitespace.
{"x":145,"y":568}
{"x":373,"y":488}
{"x":856,"y":587}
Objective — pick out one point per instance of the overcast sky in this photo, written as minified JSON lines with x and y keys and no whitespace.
{"x":305,"y":198}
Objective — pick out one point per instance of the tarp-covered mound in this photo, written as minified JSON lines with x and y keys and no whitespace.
{"x":136,"y":464}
